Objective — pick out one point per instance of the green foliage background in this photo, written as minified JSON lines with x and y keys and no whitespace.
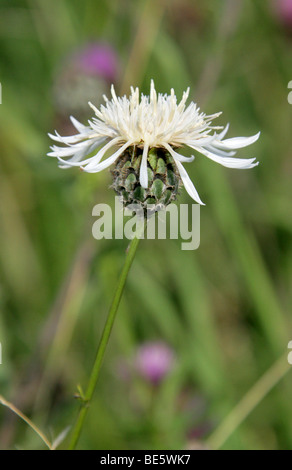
{"x":225,"y":308}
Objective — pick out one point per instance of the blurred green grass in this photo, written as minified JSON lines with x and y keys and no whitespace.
{"x":225,"y":308}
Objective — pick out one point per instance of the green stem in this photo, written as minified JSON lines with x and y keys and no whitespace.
{"x":103,"y":343}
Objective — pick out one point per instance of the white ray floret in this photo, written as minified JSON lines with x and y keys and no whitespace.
{"x":149,"y":121}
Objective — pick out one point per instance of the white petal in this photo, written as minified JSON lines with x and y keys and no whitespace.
{"x":68,"y":140}
{"x":239,"y":163}
{"x":63,"y":151}
{"x":177,"y":156}
{"x":200,"y":140}
{"x":184,"y":99}
{"x":143,"y":168}
{"x":82,"y":153}
{"x":153,"y":94}
{"x":220,"y":153}
{"x":80,"y":127}
{"x":84,"y":148}
{"x":238,"y":142}
{"x":97,"y":112}
{"x":224,"y":132}
{"x":109,"y":161}
{"x":94,"y":160}
{"x":190,"y":188}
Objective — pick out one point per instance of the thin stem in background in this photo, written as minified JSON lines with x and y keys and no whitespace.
{"x":26,"y":420}
{"x":248,"y":403}
{"x":86,"y":399}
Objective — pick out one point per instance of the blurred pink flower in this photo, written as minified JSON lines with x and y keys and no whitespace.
{"x":284,"y":11}
{"x":98,"y":59}
{"x":84,"y":75}
{"x":154,"y":360}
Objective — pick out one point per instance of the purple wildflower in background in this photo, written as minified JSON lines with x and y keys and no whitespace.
{"x":98,"y":59}
{"x":154,"y":360}
{"x":284,"y":11}
{"x":84,"y":75}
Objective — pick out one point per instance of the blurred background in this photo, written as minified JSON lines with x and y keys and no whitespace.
{"x":195,"y":330}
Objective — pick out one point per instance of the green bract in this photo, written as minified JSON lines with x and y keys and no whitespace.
{"x":163,"y":178}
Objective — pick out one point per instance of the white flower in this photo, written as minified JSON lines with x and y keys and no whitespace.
{"x":147,"y":122}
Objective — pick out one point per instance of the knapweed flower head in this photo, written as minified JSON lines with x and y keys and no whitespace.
{"x":141,"y":136}
{"x":154,"y":360}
